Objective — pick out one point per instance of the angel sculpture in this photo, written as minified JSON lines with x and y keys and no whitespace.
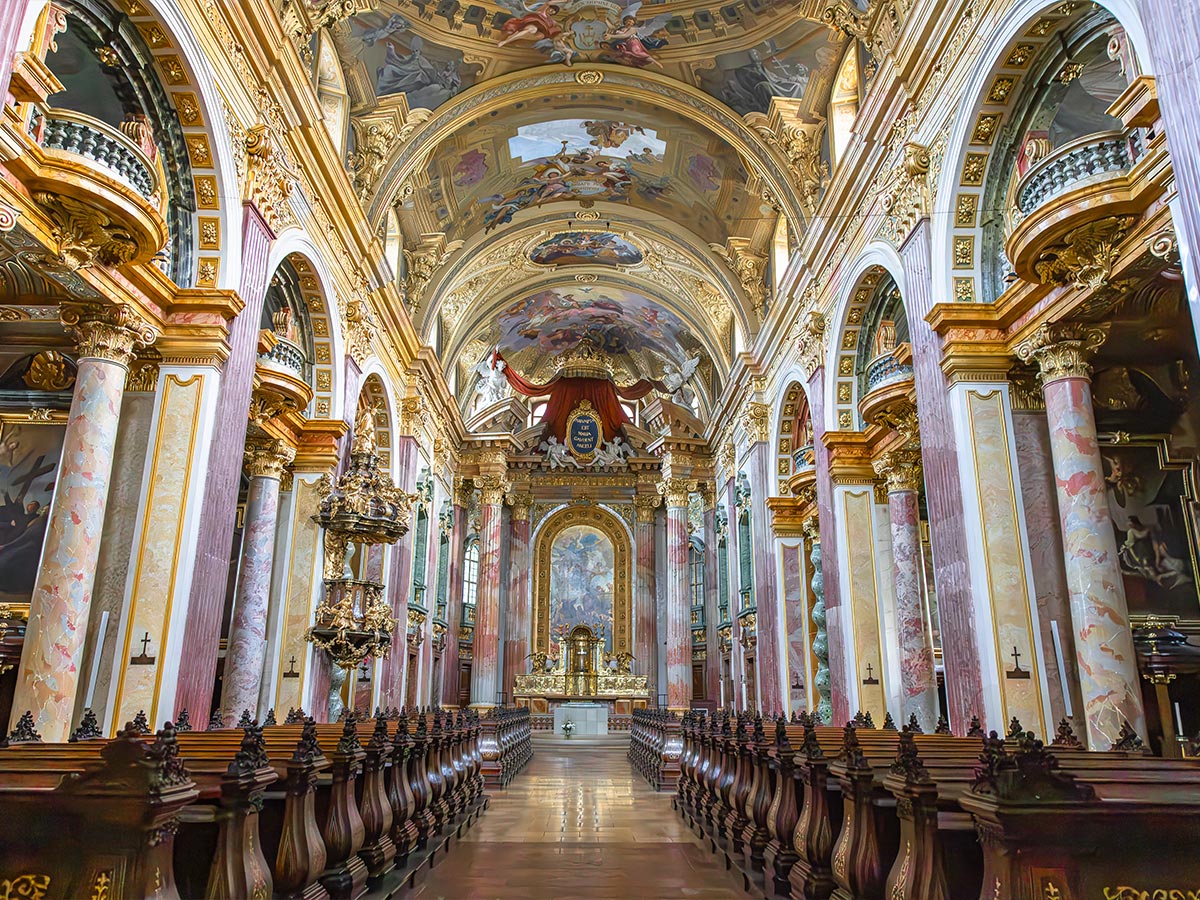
{"x":529,"y":22}
{"x":630,"y":43}
{"x":493,"y":386}
{"x":676,"y":383}
{"x":612,"y":453}
{"x":557,"y":455}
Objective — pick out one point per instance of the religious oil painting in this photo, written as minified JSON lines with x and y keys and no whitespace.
{"x":401,"y":62}
{"x":29,"y":457}
{"x":1155,"y":530}
{"x":581,"y":580}
{"x":581,"y":247}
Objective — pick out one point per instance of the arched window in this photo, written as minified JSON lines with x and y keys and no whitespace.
{"x":843,"y":104}
{"x":470,"y":580}
{"x":445,"y":527}
{"x":745,"y":551}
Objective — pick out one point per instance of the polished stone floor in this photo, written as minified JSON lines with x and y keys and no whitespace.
{"x":579,"y":822}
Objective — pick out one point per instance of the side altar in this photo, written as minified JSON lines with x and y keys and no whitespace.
{"x":580,"y":669}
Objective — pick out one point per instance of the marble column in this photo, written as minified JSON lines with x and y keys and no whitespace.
{"x":485,"y":674}
{"x":645,"y":612}
{"x":769,"y":664}
{"x":820,"y":641}
{"x":1103,"y":639}
{"x":10,"y":40}
{"x":48,"y":678}
{"x":1175,"y":64}
{"x":265,"y":462}
{"x":458,"y":547}
{"x":520,"y":598}
{"x":918,"y":681}
{"x":712,"y":613}
{"x":206,"y":604}
{"x":678,"y":612}
{"x":943,"y":493}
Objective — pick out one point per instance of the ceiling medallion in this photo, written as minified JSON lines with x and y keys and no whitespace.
{"x":587,"y":215}
{"x":590,"y":77}
{"x":586,"y":278}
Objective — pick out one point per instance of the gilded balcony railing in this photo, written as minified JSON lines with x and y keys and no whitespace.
{"x":73,"y":132}
{"x":1090,"y":158}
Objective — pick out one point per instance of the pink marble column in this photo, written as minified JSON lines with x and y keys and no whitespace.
{"x":49,"y":676}
{"x":10,"y":34}
{"x":1175,"y":64}
{"x":1103,"y":639}
{"x":206,"y":605}
{"x":918,"y":681}
{"x":458,"y":538}
{"x":247,"y":646}
{"x":645,"y":610}
{"x":768,"y":665}
{"x":393,"y":666}
{"x":943,"y":493}
{"x":712,"y":615}
{"x":679,"y":617}
{"x":485,"y":673}
{"x":520,"y":599}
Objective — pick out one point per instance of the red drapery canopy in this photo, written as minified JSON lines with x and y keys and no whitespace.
{"x":567,"y":393}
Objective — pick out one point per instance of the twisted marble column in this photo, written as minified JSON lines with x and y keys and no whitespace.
{"x":247,"y":648}
{"x":918,"y":681}
{"x":645,"y":614}
{"x":520,"y":599}
{"x":485,"y":674}
{"x":48,"y":679}
{"x":820,"y":642}
{"x":679,"y":628}
{"x":1103,"y":640}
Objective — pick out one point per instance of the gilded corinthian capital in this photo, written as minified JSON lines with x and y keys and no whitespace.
{"x":644,"y":506}
{"x":901,"y":469}
{"x":1063,"y":350}
{"x":106,"y":331}
{"x":492,"y":489}
{"x":675,"y":491}
{"x":268,"y":458}
{"x":521,"y":502}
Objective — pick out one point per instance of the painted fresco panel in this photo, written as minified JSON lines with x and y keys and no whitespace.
{"x":401,"y":62}
{"x":582,"y":247}
{"x":581,"y":580}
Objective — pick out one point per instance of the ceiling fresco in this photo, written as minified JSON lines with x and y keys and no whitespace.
{"x":610,"y":152}
{"x":630,"y":326}
{"x":586,"y":248}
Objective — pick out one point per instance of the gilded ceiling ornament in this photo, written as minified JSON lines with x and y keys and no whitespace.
{"x":645,"y":505}
{"x":747,"y":266}
{"x":755,"y":420}
{"x":270,"y":173}
{"x":901,"y":417}
{"x":1063,"y":350}
{"x":85,"y":236}
{"x":520,"y":501}
{"x":373,"y":141}
{"x":1086,"y":256}
{"x":492,"y":489}
{"x":142,"y":377}
{"x":1164,"y":245}
{"x":358,"y":325}
{"x":810,"y":341}
{"x":103,"y":331}
{"x":906,"y":201}
{"x":48,"y":371}
{"x":8,"y":217}
{"x":422,"y":262}
{"x":675,"y":491}
{"x":801,"y":146}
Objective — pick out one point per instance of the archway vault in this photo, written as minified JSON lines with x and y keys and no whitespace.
{"x":608,"y":525}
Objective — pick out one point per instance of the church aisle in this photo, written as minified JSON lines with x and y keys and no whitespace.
{"x":579,"y":823}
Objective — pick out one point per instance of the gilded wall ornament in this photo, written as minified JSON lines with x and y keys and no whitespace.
{"x":675,"y":491}
{"x":1086,"y":256}
{"x":268,"y":458}
{"x":492,"y":489}
{"x":86,"y":236}
{"x":755,"y":420}
{"x":422,"y":262}
{"x":900,"y":469}
{"x":645,"y":506}
{"x":103,"y":331}
{"x":810,"y":341}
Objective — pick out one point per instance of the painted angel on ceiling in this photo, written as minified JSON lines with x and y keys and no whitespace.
{"x":630,"y":43}
{"x":529,"y":22}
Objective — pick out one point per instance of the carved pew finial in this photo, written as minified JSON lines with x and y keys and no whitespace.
{"x":852,"y":754}
{"x":245,"y":720}
{"x":1065,"y":736}
{"x":913,"y":725}
{"x":183,"y":722}
{"x":908,"y":761}
{"x":943,"y":726}
{"x":1015,"y":728}
{"x":270,"y":719}
{"x":89,"y":728}
{"x":25,"y":732}
{"x":141,"y":723}
{"x":1129,"y":741}
{"x":216,"y":721}
{"x":889,"y":724}
{"x":976,"y":728}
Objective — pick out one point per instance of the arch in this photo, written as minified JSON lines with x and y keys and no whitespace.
{"x":316,"y":286}
{"x":644,"y":86}
{"x":611,"y":527}
{"x":841,"y":391}
{"x":966,"y":167}
{"x":791,"y":412}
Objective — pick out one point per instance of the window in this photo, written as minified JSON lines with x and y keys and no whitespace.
{"x":470,"y":580}
{"x":420,"y":560}
{"x":723,"y":580}
{"x":696,"y":580}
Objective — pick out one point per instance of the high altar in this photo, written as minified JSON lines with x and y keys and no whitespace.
{"x":578,"y":668}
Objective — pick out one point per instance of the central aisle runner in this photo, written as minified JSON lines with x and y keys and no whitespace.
{"x":579,"y":822}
